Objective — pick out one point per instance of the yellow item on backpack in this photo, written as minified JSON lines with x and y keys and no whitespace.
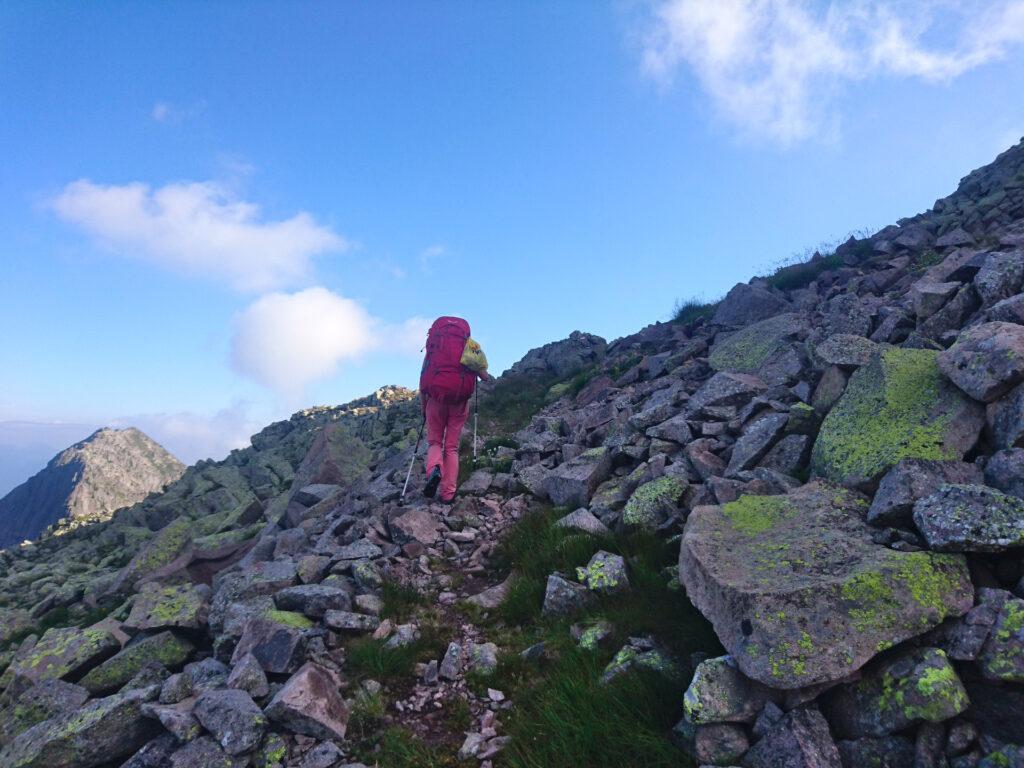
{"x":473,"y":357}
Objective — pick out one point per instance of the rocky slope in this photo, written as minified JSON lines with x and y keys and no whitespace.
{"x":110,"y":469}
{"x":831,"y":455}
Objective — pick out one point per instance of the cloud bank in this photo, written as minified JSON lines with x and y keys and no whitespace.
{"x":199,"y":228}
{"x":772,"y":67}
{"x":286,"y":341}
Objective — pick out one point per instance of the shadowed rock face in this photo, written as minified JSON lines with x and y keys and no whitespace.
{"x":111,"y":469}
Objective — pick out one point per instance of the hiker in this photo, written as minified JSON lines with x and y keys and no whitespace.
{"x":451,"y":367}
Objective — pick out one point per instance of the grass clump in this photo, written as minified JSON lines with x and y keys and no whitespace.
{"x":567,"y":718}
{"x":400,"y":748}
{"x":512,"y":402}
{"x":792,"y":276}
{"x":534,"y":548}
{"x":692,"y":309}
{"x":400,"y":600}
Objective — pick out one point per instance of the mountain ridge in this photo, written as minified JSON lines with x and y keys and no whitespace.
{"x":108,"y":470}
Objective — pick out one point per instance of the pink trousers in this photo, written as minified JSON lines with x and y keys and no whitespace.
{"x":444,"y":428}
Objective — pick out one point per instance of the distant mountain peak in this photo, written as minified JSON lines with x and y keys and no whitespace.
{"x":110,"y":469}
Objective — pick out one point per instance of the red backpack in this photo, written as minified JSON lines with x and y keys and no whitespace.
{"x":443,"y":377}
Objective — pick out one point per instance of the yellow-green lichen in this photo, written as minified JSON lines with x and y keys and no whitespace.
{"x":643,"y":506}
{"x":289,"y":619}
{"x":750,"y":348}
{"x":896,"y":407}
{"x":753,"y":515}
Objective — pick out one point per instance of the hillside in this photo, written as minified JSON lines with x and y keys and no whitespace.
{"x":110,"y":469}
{"x":783,"y":530}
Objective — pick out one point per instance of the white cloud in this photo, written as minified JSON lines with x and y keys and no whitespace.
{"x":772,"y":66}
{"x":162,"y":111}
{"x":193,"y":436}
{"x":286,"y":341}
{"x":200,"y":228}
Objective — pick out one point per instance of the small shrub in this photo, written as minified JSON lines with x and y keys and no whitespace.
{"x":692,"y":309}
{"x":369,"y":658}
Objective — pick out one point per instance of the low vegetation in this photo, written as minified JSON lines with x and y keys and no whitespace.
{"x":565,"y":716}
{"x":692,"y":309}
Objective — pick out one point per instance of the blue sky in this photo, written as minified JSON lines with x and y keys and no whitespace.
{"x":212,"y":213}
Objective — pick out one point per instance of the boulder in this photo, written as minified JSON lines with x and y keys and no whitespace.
{"x":986,"y":361}
{"x":65,"y":652}
{"x":877,"y":752}
{"x":415,"y":525}
{"x":725,"y":389}
{"x":1005,"y":471}
{"x":1005,"y":419}
{"x":247,"y":675}
{"x":572,"y":483}
{"x":346,"y":621}
{"x":654,"y":502}
{"x":720,"y":744}
{"x":562,"y":597}
{"x":204,"y":752}
{"x":676,"y":429}
{"x":233,"y":718}
{"x":970,"y":518}
{"x":101,"y":732}
{"x":830,"y":388}
{"x":928,"y":298}
{"x":1002,"y":656}
{"x":171,"y":650}
{"x":583,"y":520}
{"x":788,"y":456}
{"x":764,"y":348}
{"x":1009,"y":310}
{"x":311,"y":704}
{"x":313,"y":600}
{"x":277,"y":647}
{"x":913,"y":479}
{"x":720,"y":693}
{"x":156,"y":606}
{"x":800,"y":740}
{"x":845,"y":349}
{"x":755,"y":441}
{"x":799,"y":593}
{"x":899,"y":406}
{"x":50,"y":698}
{"x":746,"y":304}
{"x":560,"y":359}
{"x":176,"y":718}
{"x":913,"y":686}
{"x":604,"y":574}
{"x":1000,"y":277}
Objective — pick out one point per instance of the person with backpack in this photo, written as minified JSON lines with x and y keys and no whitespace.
{"x":451,"y":367}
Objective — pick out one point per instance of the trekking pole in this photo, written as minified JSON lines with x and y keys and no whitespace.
{"x":413,"y":459}
{"x":476,"y":414}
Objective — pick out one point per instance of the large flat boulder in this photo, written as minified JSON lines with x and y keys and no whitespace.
{"x":169,"y":649}
{"x":986,"y":361}
{"x":746,"y":304}
{"x":65,"y":652}
{"x":799,"y":593}
{"x":764,"y":348}
{"x":898,"y":406}
{"x":102,"y":732}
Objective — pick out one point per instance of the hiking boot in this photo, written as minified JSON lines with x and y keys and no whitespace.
{"x":433,"y":480}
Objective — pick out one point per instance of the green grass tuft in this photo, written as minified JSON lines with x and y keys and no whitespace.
{"x":400,"y":601}
{"x":399,"y":748}
{"x":802,"y":274}
{"x":692,"y":309}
